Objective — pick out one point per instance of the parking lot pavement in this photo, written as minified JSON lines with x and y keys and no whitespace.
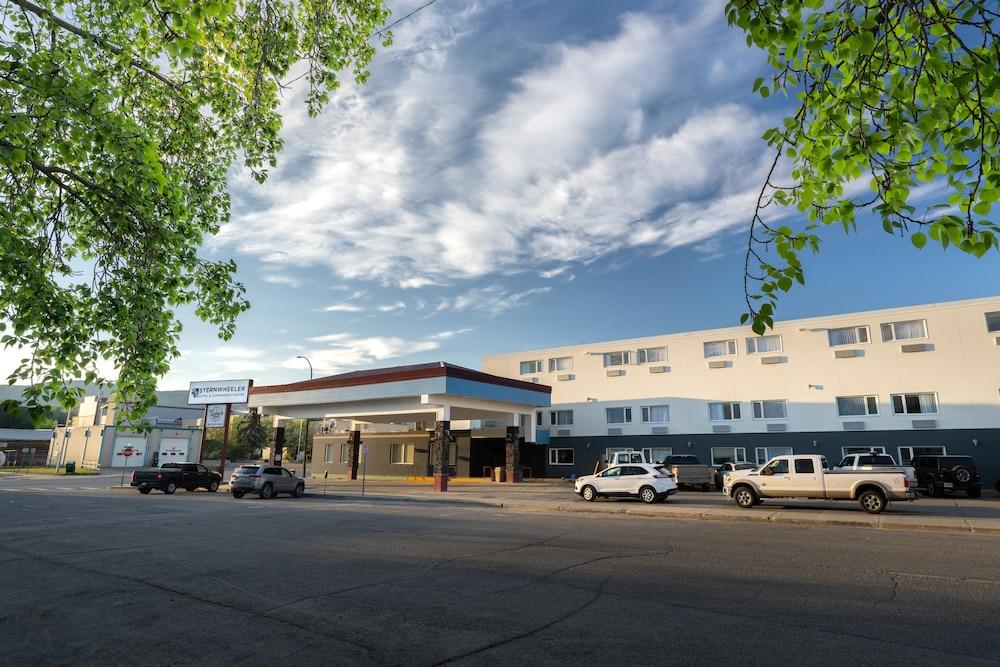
{"x":119,"y":578}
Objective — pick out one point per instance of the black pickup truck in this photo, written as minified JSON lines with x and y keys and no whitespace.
{"x":172,"y":476}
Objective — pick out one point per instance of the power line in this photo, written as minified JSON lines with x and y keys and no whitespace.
{"x":400,"y":20}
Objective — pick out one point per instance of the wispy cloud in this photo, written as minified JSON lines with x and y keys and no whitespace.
{"x":281,"y":279}
{"x":391,"y":307}
{"x":340,"y":352}
{"x":344,"y":308}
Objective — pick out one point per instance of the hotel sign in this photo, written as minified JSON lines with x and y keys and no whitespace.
{"x":219,"y":391}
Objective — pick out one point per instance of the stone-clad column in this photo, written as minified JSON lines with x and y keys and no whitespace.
{"x":439,"y":454}
{"x":513,"y":455}
{"x":353,"y":449}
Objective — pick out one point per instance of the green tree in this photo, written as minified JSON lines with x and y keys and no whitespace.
{"x":119,"y":121}
{"x":252,"y":435}
{"x":892,"y":100}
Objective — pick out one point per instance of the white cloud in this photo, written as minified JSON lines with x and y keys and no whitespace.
{"x":340,"y":352}
{"x":343,"y":308}
{"x":281,"y":279}
{"x":391,"y":307}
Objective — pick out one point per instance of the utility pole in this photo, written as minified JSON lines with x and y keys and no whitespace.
{"x":305,"y":426}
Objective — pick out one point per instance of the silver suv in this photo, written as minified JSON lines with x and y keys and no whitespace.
{"x":266,"y":481}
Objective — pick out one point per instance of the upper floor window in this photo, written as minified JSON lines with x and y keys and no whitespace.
{"x":533,"y":366}
{"x":718,"y":412}
{"x":915,"y":404}
{"x":619,"y":415}
{"x":993,"y":321}
{"x":560,"y":364}
{"x":652,"y":355}
{"x":847,"y":336}
{"x":561,"y":417}
{"x":720,"y":348}
{"x":538,"y":419}
{"x":857,"y":406}
{"x":770,"y":409}
{"x":655,"y":414}
{"x":616,"y":358}
{"x":904,"y":330}
{"x":758,"y":344}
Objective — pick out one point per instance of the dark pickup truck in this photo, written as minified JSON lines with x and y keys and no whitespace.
{"x":173,"y":476}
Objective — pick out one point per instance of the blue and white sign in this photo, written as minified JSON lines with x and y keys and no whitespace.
{"x":219,"y":391}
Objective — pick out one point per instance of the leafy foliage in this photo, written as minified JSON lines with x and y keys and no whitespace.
{"x":120,"y":120}
{"x":893,"y":100}
{"x":251,"y":435}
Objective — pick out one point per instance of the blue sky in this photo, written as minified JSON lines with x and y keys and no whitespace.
{"x":527,"y":174}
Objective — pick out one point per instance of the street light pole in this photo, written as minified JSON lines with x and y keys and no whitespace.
{"x":305,"y":426}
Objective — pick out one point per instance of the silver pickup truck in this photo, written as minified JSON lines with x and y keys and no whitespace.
{"x":809,"y":476}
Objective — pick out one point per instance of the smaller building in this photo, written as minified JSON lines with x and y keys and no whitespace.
{"x":93,"y":440}
{"x":24,"y":446}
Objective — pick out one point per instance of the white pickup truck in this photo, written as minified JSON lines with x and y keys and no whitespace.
{"x":809,"y":476}
{"x":873,"y":461}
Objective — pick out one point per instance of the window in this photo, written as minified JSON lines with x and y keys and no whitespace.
{"x":619,"y":415}
{"x":720,"y":348}
{"x":655,"y":414}
{"x":560,"y":364}
{"x":652,"y":355}
{"x":561,"y":417}
{"x":857,"y":406}
{"x":765,"y":454}
{"x":759,"y":344}
{"x":904,"y":330}
{"x":657,"y":454}
{"x":770,"y":409}
{"x":534,"y":366}
{"x":914,"y":404}
{"x":616,"y":358}
{"x":722,"y":455}
{"x":328,"y":453}
{"x":522,"y":421}
{"x":993,"y":322}
{"x":724,"y":412}
{"x":538,"y":419}
{"x":345,"y":452}
{"x":562,"y":456}
{"x":804,"y":466}
{"x":400,"y":454}
{"x":863,"y":450}
{"x":907,"y":454}
{"x":847,"y":336}
{"x":778,"y":467}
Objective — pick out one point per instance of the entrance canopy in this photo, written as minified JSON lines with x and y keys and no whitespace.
{"x":433,"y":392}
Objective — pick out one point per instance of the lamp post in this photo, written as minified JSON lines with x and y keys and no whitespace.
{"x":305,"y":426}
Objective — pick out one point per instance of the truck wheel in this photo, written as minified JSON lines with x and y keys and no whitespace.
{"x":214,"y":486}
{"x":170,"y":488}
{"x":745,"y":497}
{"x":872,"y":501}
{"x":267,"y":492}
{"x":144,"y":491}
{"x":589,"y":493}
{"x":300,"y":490}
{"x":961,"y":474}
{"x":647,"y":494}
{"x":238,"y":494}
{"x":974,"y":493}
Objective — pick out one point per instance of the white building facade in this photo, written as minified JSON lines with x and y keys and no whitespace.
{"x":906,"y":381}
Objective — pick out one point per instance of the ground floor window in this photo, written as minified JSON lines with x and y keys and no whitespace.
{"x":328,"y":453}
{"x":907,"y":454}
{"x":874,"y":449}
{"x":722,"y":455}
{"x":400,"y":454}
{"x":345,"y":452}
{"x":657,"y":454}
{"x":561,"y":456}
{"x":765,"y":454}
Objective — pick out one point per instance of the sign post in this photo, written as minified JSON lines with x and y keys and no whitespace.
{"x":127,"y":452}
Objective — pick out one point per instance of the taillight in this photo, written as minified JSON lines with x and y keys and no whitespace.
{"x":660,"y":476}
{"x":159,"y":475}
{"x":906,"y":482}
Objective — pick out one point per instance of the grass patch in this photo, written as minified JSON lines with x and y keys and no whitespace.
{"x":46,"y":470}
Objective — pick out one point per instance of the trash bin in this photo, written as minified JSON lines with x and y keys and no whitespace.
{"x":70,"y":467}
{"x":498,"y":474}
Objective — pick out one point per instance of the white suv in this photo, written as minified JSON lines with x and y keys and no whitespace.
{"x":648,"y":482}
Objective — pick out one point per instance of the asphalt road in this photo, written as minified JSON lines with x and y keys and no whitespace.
{"x":112,"y":577}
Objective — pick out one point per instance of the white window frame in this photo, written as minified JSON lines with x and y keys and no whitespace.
{"x":645,"y":413}
{"x":555,"y":417}
{"x":736,"y":455}
{"x":904,"y":413}
{"x":328,"y":453}
{"x":407,"y":453}
{"x":553,"y":456}
{"x":537,"y":365}
{"x":909,"y":459}
{"x":734,"y":407}
{"x":857,"y":331}
{"x":642,"y":355}
{"x":625,"y":356}
{"x":862,"y":449}
{"x":892,"y":329}
{"x":867,"y":397}
{"x":626,"y":414}
{"x":761,"y":402}
{"x":731,"y":347}
{"x":996,"y":315}
{"x":770,"y":452}
{"x":345,"y":452}
{"x":754,"y":342}
{"x":554,"y":364}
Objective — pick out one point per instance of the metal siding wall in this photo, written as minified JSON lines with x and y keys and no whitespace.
{"x":493,"y":392}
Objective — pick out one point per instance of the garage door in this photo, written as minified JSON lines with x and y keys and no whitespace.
{"x":174,"y":450}
{"x":129,"y":452}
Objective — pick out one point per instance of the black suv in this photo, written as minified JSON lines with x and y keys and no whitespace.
{"x":937,"y":474}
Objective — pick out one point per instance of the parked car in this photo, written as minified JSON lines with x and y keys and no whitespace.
{"x":937,"y":474}
{"x":266,"y":481}
{"x":649,"y":483}
{"x":808,"y":476}
{"x":872,"y":461}
{"x":689,"y":471}
{"x":729,"y":467}
{"x":172,"y":476}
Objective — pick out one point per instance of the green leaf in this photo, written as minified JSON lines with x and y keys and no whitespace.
{"x":919,"y":239}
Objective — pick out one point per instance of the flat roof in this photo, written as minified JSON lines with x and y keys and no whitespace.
{"x":397,"y":373}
